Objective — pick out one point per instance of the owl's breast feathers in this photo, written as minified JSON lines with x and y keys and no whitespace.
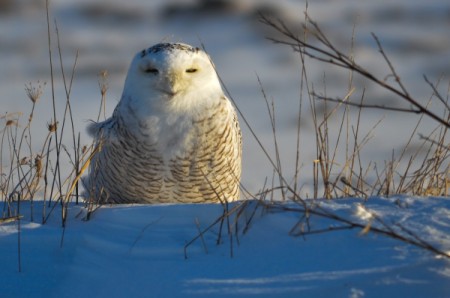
{"x":194,"y":159}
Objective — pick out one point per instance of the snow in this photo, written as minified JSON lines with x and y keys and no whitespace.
{"x":237,"y":45}
{"x":139,"y":251}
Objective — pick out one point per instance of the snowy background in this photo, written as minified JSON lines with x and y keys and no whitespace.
{"x":137,"y":250}
{"x":107,"y":34}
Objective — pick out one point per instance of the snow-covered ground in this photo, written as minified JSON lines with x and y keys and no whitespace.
{"x":139,"y":251}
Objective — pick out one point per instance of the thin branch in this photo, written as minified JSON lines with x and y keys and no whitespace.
{"x":366,"y":106}
{"x":333,"y":56}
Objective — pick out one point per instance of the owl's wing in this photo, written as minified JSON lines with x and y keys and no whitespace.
{"x":237,"y":130}
{"x":105,"y":129}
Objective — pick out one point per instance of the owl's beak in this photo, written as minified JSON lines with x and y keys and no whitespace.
{"x":173,"y":83}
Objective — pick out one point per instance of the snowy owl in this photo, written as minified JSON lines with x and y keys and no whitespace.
{"x":173,"y":137}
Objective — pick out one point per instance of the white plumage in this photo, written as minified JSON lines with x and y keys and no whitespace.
{"x":173,"y":137}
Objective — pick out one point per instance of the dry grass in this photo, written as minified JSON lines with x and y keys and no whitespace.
{"x":343,"y":175}
{"x":24,"y":173}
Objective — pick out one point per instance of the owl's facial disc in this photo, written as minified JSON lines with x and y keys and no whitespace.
{"x":177,"y":73}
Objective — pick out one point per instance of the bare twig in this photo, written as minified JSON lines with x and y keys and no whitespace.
{"x":367,"y":106}
{"x":330,"y":55}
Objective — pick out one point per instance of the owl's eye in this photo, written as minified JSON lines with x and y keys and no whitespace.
{"x":191,"y":70}
{"x":151,"y":70}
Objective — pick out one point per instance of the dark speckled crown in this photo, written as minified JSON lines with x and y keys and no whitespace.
{"x":160,"y":47}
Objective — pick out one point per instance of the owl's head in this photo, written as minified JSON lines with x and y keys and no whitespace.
{"x":173,"y":74}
